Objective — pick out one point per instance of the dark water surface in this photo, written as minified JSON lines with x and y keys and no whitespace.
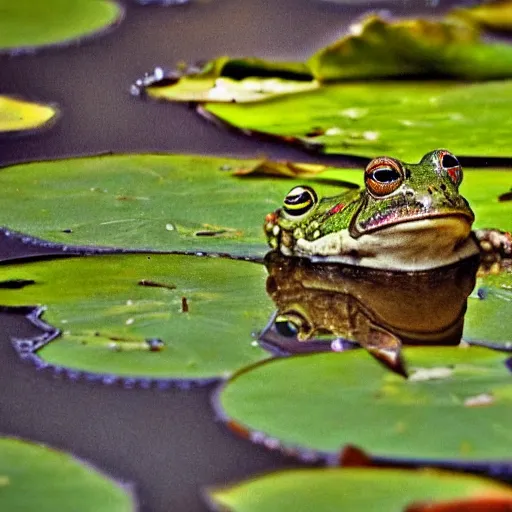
{"x":166,"y":443}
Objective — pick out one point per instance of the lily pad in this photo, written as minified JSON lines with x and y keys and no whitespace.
{"x":227,"y":80}
{"x":17,"y":115}
{"x":456,"y":404}
{"x":149,"y":202}
{"x":368,"y":490}
{"x":403,"y":119}
{"x":377,"y":48}
{"x":26,"y":25}
{"x":490,"y":310}
{"x":143,"y":317}
{"x":34,"y":477}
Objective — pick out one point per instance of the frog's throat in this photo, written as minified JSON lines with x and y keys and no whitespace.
{"x":414,"y":245}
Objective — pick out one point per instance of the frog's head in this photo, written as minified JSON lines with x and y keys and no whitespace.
{"x":409,"y":216}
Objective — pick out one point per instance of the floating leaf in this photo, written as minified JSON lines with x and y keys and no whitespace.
{"x":375,"y":49}
{"x":27,"y":25}
{"x":34,"y":477}
{"x":491,"y":14}
{"x":324,"y":401}
{"x":402,"y":119}
{"x":144,"y":317}
{"x":148,"y":202}
{"x":18,"y":116}
{"x":412,"y":47}
{"x":369,"y":490}
{"x":490,"y":310}
{"x":227,"y":80}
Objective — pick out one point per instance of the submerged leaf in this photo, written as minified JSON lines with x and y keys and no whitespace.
{"x":19,"y":116}
{"x":402,"y":119}
{"x":371,"y":490}
{"x":324,"y":401}
{"x":144,"y":317}
{"x":26,"y":25}
{"x":34,"y":477}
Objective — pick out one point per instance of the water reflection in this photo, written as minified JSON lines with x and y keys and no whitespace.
{"x":322,"y":306}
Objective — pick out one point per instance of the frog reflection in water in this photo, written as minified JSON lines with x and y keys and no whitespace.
{"x":378,"y":309}
{"x":409,"y":217}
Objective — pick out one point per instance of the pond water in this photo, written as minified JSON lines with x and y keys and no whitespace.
{"x":167,"y":443}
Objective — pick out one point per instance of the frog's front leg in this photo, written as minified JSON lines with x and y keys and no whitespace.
{"x":495,"y":247}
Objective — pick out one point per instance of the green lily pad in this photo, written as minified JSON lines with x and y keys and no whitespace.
{"x":455,"y":405}
{"x":200,"y":313}
{"x":368,"y":490}
{"x":226,"y":80}
{"x":34,"y":477}
{"x":20,"y":116}
{"x":27,"y":24}
{"x":403,"y":119}
{"x":490,"y":310}
{"x":413,"y":47}
{"x":149,"y":202}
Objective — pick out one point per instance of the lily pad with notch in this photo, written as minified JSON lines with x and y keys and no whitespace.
{"x":454,"y":407}
{"x":26,"y":26}
{"x":371,"y":490}
{"x":31,"y":473}
{"x":141,"y":319}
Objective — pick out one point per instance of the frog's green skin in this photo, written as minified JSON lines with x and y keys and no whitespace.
{"x":408,"y":217}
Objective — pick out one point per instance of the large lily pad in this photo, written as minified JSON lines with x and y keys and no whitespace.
{"x":403,"y":119}
{"x":27,"y":24}
{"x":34,"y":477}
{"x":19,"y":116}
{"x":455,"y":405}
{"x":368,"y":490}
{"x":148,"y":202}
{"x":203,"y":311}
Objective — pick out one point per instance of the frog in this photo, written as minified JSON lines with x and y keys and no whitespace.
{"x":407,"y":217}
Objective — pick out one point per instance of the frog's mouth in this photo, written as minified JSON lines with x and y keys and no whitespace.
{"x":459,"y":219}
{"x":400,"y":210}
{"x":419,"y":243}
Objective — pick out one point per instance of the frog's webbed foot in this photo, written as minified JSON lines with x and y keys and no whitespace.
{"x":386,"y":348}
{"x":495,"y":249}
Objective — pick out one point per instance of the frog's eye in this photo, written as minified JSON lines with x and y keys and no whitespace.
{"x":292,"y":325}
{"x":451,"y":166}
{"x":383,"y":175}
{"x":299,"y":201}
